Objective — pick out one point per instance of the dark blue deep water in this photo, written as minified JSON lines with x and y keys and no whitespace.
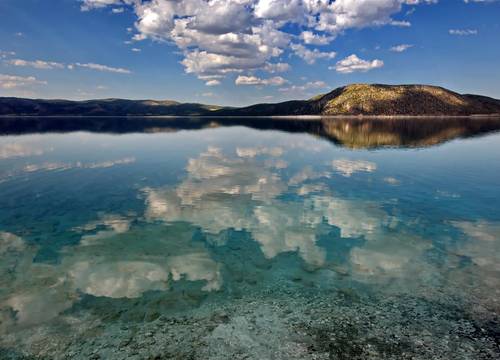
{"x":329,"y":241}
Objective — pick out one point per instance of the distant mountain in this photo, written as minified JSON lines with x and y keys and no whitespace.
{"x":357,"y":99}
{"x":106,"y":107}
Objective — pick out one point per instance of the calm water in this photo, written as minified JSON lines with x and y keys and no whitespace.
{"x":277,"y":240}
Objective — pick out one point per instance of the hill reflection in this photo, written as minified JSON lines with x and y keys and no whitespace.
{"x":348,"y":132}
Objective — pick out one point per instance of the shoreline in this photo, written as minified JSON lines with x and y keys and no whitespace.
{"x":299,"y":117}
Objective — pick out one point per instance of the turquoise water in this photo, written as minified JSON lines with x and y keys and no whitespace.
{"x":236,"y":242}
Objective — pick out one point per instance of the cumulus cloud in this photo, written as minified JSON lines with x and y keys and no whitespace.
{"x":353,"y":63}
{"x":345,"y":14}
{"x":278,"y":67}
{"x":253,"y":33}
{"x":253,"y":80}
{"x":13,"y":81}
{"x":311,"y":38}
{"x":213,"y":82}
{"x":310,"y":56}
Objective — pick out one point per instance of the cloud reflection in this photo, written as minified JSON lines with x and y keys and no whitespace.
{"x":54,"y":166}
{"x":349,"y":167}
{"x":483,"y":245}
{"x":256,"y":151}
{"x":112,"y":224}
{"x":120,"y":279}
{"x":243,"y":193}
{"x":119,"y":265}
{"x":15,"y":150}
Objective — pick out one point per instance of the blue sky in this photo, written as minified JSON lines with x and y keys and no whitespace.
{"x":237,"y":52}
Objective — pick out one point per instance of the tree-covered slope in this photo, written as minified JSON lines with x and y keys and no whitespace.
{"x":357,"y":99}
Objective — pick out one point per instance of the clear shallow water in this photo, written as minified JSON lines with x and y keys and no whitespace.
{"x":233,"y":242}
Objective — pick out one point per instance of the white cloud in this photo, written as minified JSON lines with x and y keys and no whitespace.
{"x":479,"y":1}
{"x":311,"y":38}
{"x":402,"y":23}
{"x":13,"y":81}
{"x":105,"y":68}
{"x":213,"y":82}
{"x":48,"y":65}
{"x":401,"y":48}
{"x":95,"y":4}
{"x":6,"y":54}
{"x":305,"y":87}
{"x":278,"y":67}
{"x":280,"y":10}
{"x":219,"y":37}
{"x":37,"y":64}
{"x":344,"y":14}
{"x":462,"y":32}
{"x":353,"y":64}
{"x":136,"y":50}
{"x":253,"y":80}
{"x":310,"y":56}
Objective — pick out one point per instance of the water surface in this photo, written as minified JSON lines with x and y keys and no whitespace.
{"x":266,"y":239}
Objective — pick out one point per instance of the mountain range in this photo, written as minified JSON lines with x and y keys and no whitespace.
{"x":356,"y":99}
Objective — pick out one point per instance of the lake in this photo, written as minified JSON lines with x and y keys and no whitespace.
{"x":206,"y":238}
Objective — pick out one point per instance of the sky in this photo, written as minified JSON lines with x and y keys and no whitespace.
{"x":240,"y":52}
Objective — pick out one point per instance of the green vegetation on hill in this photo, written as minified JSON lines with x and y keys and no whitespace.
{"x":357,"y":99}
{"x":106,"y":107}
{"x":363,"y":99}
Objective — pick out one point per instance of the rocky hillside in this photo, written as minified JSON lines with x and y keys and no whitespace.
{"x":404,"y":100}
{"x":357,"y":99}
{"x":363,"y":99}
